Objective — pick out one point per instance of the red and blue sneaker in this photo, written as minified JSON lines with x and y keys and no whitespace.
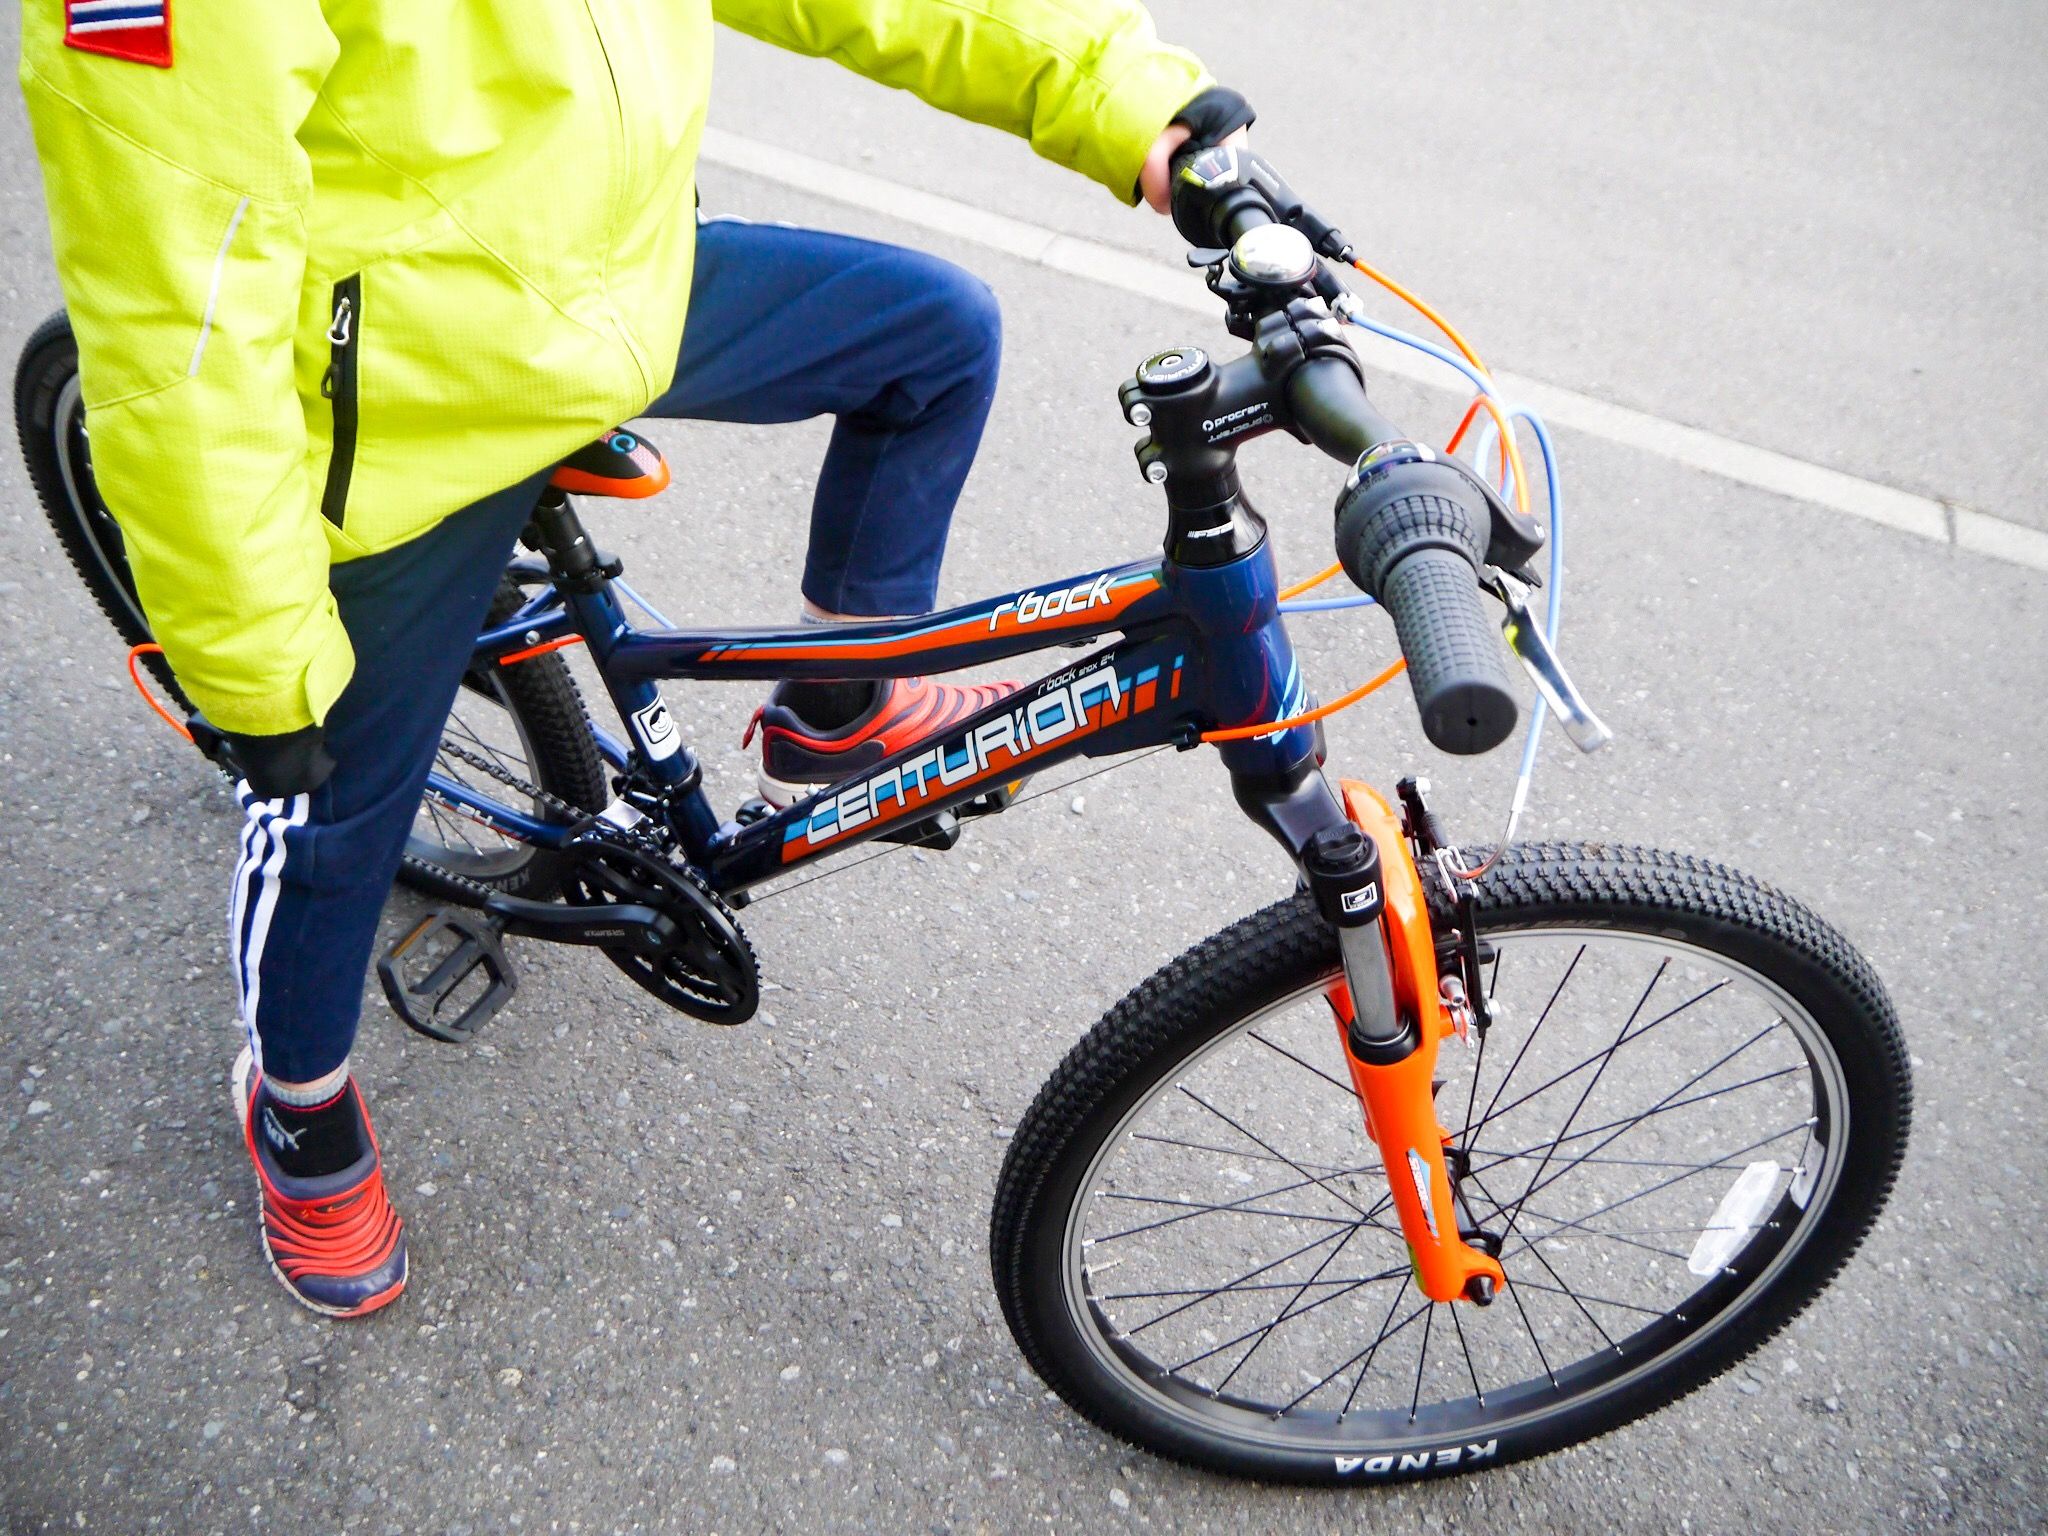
{"x":796,"y":755}
{"x":332,"y":1238}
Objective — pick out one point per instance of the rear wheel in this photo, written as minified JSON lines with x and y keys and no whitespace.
{"x":527,"y":720}
{"x":49,"y":415}
{"x":1687,"y":1113}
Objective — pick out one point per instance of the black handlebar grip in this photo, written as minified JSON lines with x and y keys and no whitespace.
{"x":1408,"y":536}
{"x":1454,"y":656}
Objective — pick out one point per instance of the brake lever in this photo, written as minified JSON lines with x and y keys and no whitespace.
{"x":1589,"y":733}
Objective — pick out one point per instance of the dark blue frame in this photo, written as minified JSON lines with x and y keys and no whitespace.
{"x":1204,"y":648}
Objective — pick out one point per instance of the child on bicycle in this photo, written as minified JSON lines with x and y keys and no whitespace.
{"x":349,"y":277}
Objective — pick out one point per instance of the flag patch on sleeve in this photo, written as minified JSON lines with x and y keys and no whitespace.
{"x":139,"y":30}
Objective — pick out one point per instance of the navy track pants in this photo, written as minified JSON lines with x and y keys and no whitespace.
{"x":785,"y":324}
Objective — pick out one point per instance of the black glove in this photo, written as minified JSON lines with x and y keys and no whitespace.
{"x":1214,"y":116}
{"x":278,"y":767}
{"x":1209,"y":119}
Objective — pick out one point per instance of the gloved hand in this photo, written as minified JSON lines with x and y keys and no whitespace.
{"x":1218,"y":116}
{"x":278,"y":767}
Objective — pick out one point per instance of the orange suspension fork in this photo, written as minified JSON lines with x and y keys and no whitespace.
{"x":1391,"y":1017}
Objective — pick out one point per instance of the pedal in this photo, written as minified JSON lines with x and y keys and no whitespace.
{"x":448,"y":976}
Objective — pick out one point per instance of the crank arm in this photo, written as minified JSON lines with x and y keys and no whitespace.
{"x":606,"y":925}
{"x":1392,"y":958}
{"x":1526,"y":639}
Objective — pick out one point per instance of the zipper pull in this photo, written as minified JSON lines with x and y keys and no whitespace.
{"x":338,"y":338}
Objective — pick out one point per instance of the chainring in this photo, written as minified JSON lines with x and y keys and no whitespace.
{"x":708,"y":970}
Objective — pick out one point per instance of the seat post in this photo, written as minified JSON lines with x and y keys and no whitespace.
{"x":557,"y":532}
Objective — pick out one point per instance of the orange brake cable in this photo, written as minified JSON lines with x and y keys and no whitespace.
{"x":135,"y":655}
{"x":1246,"y":732}
{"x":1422,"y":307}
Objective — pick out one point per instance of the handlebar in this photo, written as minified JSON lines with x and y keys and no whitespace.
{"x":1412,"y":531}
{"x":1329,"y":404}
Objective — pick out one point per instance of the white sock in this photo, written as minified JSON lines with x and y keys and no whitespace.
{"x":308,"y":1095}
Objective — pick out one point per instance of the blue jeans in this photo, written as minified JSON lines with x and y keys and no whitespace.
{"x":784,"y":324}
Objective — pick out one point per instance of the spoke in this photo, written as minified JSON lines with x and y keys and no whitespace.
{"x":1477,"y":1390}
{"x":1200,"y":1208}
{"x":1421,"y":1361}
{"x":1576,"y":1226}
{"x":1167,"y":1221}
{"x":1531,"y":1248}
{"x":1335,"y":1170}
{"x":476,"y":741}
{"x":1286,"y":1309}
{"x":1230,"y":1285}
{"x":1321,"y":1301}
{"x":1542,"y":1358}
{"x":1290,"y":1162}
{"x":1263,"y":1285}
{"x":1601,"y":1146}
{"x":1478,"y":1064}
{"x":1534,"y":1030}
{"x":1606,"y":1162}
{"x":485,"y":749}
{"x":1586,"y":1093}
{"x":1608,"y":1301}
{"x":1615,"y":1205}
{"x":453,"y":830}
{"x":1617,"y":1237}
{"x":1342,"y":1087}
{"x":1366,"y":1354}
{"x":1662,"y":1109}
{"x":1494,"y":1114}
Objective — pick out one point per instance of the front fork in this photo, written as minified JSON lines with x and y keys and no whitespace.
{"x":1390,"y":1011}
{"x":1391,"y":1017}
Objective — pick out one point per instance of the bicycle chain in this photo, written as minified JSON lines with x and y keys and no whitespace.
{"x":477,"y":891}
{"x":573,"y":814}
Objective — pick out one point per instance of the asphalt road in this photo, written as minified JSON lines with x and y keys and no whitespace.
{"x":673,"y":1278}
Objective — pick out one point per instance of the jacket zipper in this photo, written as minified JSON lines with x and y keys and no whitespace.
{"x":339,"y":386}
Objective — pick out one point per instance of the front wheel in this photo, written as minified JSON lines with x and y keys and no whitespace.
{"x":1691,"y":1104}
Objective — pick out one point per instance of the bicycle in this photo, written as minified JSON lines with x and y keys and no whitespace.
{"x":1259,"y":1219}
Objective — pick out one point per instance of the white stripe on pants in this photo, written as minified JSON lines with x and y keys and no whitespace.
{"x":256,"y":887}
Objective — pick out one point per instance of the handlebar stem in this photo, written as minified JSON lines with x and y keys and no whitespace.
{"x":1299,"y":376}
{"x":1196,"y":414}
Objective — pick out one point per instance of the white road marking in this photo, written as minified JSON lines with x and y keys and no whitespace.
{"x":1765,"y":469}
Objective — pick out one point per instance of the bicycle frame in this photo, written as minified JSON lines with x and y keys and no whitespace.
{"x":1204,"y":647}
{"x":1201,"y":647}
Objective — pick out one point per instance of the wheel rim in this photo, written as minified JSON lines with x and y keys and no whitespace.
{"x":73,"y":451}
{"x":1249,"y":1280}
{"x":482,"y":721}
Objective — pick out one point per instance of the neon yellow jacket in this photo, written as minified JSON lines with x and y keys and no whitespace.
{"x":463,"y":230}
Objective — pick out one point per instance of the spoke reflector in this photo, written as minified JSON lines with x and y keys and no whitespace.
{"x":1734,"y":1219}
